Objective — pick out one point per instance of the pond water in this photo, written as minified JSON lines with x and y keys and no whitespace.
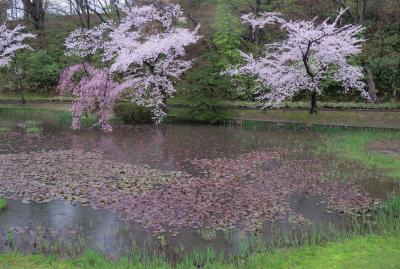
{"x":171,"y":188}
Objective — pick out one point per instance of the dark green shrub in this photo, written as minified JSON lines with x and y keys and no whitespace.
{"x":204,"y":110}
{"x":227,"y":35}
{"x":41,"y":69}
{"x":132,"y":113}
{"x":202,"y":89}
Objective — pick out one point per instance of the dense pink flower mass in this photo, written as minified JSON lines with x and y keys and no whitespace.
{"x":311,"y":54}
{"x":146,"y":48}
{"x":10,"y":42}
{"x":86,"y":42}
{"x":96,"y":90}
{"x":261,"y":21}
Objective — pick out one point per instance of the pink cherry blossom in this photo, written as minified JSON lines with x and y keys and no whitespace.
{"x":10,"y":42}
{"x":86,"y":42}
{"x":265,"y":18}
{"x":96,"y":92}
{"x":146,"y":49}
{"x":311,"y":54}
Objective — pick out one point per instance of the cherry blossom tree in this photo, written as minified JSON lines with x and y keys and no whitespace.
{"x":146,"y":50}
{"x":311,"y":55}
{"x":12,"y":41}
{"x":148,"y":47}
{"x":96,"y":92}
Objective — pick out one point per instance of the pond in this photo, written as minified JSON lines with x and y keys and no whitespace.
{"x":173,"y":188}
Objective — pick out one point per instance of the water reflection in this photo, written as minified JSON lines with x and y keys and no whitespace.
{"x":70,"y":227}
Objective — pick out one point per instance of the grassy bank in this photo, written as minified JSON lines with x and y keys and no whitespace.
{"x":47,"y":113}
{"x":37,"y":106}
{"x":367,"y":252}
{"x":375,"y":149}
{"x":231,"y":104}
{"x":33,"y":97}
{"x":374,"y":119}
{"x":321,"y":105}
{"x":180,"y":101}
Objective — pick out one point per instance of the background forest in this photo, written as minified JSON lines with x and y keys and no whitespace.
{"x":38,"y":71}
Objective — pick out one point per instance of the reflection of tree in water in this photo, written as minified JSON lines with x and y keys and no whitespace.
{"x":162,"y":147}
{"x":141,"y":145}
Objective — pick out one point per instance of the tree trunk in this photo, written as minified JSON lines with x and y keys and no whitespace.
{"x":313,"y":109}
{"x":3,"y":11}
{"x":257,"y":7}
{"x":396,"y":82}
{"x":256,"y":31}
{"x":371,"y":84}
{"x":19,"y":83}
{"x":35,"y":10}
{"x":362,"y":11}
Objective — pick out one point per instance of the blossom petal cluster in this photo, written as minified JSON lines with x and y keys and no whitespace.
{"x":146,"y":49}
{"x":10,"y":42}
{"x":311,"y":54}
{"x":86,"y":42}
{"x":263,"y":19}
{"x":96,"y":92}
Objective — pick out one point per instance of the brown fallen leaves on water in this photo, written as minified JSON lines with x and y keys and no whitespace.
{"x":74,"y":175}
{"x":242,"y":192}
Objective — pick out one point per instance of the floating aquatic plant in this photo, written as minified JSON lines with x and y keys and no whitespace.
{"x":3,"y":203}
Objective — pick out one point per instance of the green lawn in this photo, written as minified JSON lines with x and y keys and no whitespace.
{"x":321,"y":105}
{"x":376,"y":119}
{"x":368,"y":252}
{"x":38,"y":106}
{"x":372,"y":148}
{"x":32,"y":96}
{"x":182,"y":101}
{"x":364,"y":252}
